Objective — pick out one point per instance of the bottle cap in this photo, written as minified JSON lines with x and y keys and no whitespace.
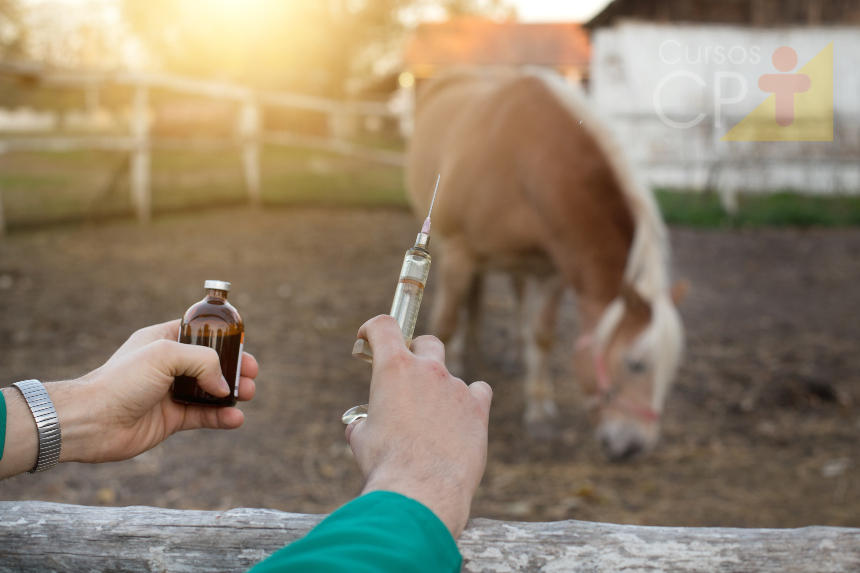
{"x":217,"y":285}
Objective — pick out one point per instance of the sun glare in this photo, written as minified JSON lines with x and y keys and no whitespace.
{"x":406,"y":80}
{"x":235,"y":4}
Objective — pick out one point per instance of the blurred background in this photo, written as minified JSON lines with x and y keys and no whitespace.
{"x":148,"y":145}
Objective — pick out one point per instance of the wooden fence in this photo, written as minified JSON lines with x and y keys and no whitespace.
{"x":39,"y":537}
{"x":139,"y":143}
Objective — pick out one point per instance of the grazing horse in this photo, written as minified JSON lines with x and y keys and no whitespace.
{"x":533,"y":185}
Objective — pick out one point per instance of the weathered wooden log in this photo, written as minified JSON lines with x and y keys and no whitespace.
{"x":42,"y":537}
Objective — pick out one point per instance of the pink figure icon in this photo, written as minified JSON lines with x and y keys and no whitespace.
{"x":784,"y":85}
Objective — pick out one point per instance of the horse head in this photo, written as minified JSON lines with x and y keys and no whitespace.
{"x":626,"y":366}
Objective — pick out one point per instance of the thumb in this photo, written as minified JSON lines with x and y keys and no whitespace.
{"x":483,"y":393}
{"x":200,"y":362}
{"x":357,"y":440}
{"x":353,"y":434}
{"x":385,"y":337}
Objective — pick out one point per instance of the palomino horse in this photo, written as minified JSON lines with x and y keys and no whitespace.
{"x":533,"y":185}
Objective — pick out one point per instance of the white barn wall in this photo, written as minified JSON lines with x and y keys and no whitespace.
{"x":628,"y":66}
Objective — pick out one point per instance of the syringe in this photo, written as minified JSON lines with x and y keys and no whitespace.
{"x":407,"y":300}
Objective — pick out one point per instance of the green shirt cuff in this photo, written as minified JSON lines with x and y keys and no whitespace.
{"x":2,"y":423}
{"x":378,"y":532}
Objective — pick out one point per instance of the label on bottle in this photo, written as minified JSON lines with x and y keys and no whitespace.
{"x":239,"y":366}
{"x":229,"y":349}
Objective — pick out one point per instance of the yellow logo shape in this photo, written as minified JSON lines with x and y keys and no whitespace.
{"x":813,"y":109}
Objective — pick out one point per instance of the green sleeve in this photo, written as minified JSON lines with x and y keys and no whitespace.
{"x":2,"y":423}
{"x":378,"y":532}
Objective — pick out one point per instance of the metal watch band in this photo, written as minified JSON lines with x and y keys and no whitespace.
{"x":47,"y":423}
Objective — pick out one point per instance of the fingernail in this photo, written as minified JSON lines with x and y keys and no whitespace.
{"x":224,"y":385}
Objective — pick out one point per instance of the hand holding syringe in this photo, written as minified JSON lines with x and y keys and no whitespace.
{"x":407,"y":300}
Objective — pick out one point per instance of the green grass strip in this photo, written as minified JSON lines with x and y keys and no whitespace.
{"x":784,"y":209}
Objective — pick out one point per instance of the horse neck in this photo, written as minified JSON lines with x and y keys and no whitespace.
{"x":591,"y":218}
{"x":587,"y":220}
{"x":595,"y":257}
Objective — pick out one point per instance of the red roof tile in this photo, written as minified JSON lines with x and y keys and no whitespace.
{"x":476,"y":41}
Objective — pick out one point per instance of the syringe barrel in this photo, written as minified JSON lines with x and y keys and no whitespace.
{"x":410,"y":290}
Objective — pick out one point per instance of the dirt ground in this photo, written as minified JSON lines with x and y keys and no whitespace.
{"x":762,"y":428}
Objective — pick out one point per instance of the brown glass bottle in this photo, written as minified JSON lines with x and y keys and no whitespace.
{"x":213,"y":322}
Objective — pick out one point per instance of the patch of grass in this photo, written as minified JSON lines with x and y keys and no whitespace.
{"x":801,"y":210}
{"x":44,"y":187}
{"x":370,"y":186}
{"x":772,"y":210}
{"x":694,"y":209}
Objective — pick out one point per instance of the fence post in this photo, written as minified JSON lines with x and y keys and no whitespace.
{"x":141,"y":192}
{"x":729,"y":199}
{"x":249,"y":132}
{"x":406,"y":118}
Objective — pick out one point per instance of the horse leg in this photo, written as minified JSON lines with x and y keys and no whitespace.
{"x":456,"y":277}
{"x":518,"y":318}
{"x":472,"y":336}
{"x":542,"y":299}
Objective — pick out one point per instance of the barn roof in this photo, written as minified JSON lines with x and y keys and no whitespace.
{"x":474,"y":41}
{"x":754,"y":12}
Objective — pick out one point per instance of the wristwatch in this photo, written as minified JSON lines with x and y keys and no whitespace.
{"x":47,"y":423}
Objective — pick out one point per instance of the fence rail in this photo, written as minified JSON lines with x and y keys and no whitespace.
{"x":37,"y":537}
{"x":696,"y":159}
{"x":139,"y":142}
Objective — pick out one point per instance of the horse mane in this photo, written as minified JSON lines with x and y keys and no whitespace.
{"x":648,"y":261}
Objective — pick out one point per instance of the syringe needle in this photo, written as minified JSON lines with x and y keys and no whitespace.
{"x":434,"y":195}
{"x":426,"y":227}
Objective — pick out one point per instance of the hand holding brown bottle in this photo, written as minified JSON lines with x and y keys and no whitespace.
{"x":124,"y":408}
